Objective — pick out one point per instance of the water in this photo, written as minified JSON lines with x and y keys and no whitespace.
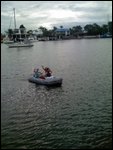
{"x":76,"y":115}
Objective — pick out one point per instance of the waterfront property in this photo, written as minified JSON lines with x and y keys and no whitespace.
{"x":62,"y":33}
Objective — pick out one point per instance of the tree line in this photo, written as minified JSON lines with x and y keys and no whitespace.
{"x":90,"y":29}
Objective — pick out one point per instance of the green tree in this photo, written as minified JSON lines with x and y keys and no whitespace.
{"x":92,"y":29}
{"x":54,"y":28}
{"x":96,"y":29}
{"x":89,"y":29}
{"x":30,"y":31}
{"x":71,"y":31}
{"x":44,"y":30}
{"x":61,"y":27}
{"x":110,"y":27}
{"x":104,"y":29}
{"x":22,"y":28}
{"x":76,"y":30}
{"x":10,"y":33}
{"x":54,"y":31}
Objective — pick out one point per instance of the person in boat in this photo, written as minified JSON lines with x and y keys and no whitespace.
{"x":38,"y":74}
{"x":47,"y":70}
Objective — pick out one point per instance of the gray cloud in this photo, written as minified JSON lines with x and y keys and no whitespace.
{"x":34,"y":13}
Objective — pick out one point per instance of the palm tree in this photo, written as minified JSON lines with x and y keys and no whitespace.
{"x":54,"y":28}
{"x":61,"y":27}
{"x":54,"y":31}
{"x":22,"y":28}
{"x":44,"y":30}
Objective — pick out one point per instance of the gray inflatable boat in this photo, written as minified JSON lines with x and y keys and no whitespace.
{"x":49,"y":81}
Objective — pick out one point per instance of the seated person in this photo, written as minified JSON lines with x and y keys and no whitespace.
{"x":48,"y":72}
{"x":38,"y":74}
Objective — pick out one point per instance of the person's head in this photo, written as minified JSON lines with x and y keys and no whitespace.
{"x":37,"y":69}
{"x":46,"y":68}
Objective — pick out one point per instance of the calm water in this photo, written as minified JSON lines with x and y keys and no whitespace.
{"x":76,"y":115}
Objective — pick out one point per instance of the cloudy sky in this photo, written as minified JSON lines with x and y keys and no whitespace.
{"x":33,"y":14}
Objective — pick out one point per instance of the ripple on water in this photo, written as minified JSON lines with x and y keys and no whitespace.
{"x":76,"y":115}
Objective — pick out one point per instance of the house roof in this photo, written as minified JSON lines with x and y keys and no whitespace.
{"x":62,"y":30}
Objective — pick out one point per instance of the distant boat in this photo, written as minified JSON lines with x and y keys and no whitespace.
{"x":26,"y":43}
{"x":6,"y":40}
{"x":20,"y":45}
{"x":106,"y":36}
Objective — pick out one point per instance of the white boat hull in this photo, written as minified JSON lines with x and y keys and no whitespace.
{"x":20,"y":45}
{"x":8,"y":42}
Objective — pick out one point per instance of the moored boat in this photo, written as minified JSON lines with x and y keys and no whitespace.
{"x":8,"y":42}
{"x":25,"y":43}
{"x":20,"y":45}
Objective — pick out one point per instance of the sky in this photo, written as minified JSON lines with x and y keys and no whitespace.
{"x":33,"y":14}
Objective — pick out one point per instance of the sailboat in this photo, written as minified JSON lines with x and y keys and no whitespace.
{"x":21,"y":44}
{"x":7,"y":41}
{"x":25,"y":43}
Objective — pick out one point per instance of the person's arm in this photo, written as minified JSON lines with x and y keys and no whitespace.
{"x":43,"y":67}
{"x":50,"y":70}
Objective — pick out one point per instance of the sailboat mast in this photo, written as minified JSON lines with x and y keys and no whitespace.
{"x":14,"y":18}
{"x":108,"y":22}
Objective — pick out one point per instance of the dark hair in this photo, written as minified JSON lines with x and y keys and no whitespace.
{"x":47,"y":69}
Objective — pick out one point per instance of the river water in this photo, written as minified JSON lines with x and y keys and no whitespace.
{"x":76,"y":115}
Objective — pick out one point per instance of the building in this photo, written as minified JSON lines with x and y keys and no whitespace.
{"x":37,"y":33}
{"x":62,"y":33}
{"x":20,"y":34}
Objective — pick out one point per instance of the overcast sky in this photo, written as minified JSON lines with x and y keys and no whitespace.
{"x":33,"y":14}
